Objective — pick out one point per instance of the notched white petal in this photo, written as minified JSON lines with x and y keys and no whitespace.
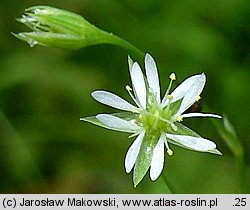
{"x":157,"y":161}
{"x":112,"y":100}
{"x":194,"y":143}
{"x":138,"y":84}
{"x":193,"y":90}
{"x":200,"y":115}
{"x":133,"y":152}
{"x":116,"y":123}
{"x":152,"y":76}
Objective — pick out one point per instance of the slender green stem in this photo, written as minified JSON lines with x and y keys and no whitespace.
{"x":110,"y":38}
{"x":123,"y":43}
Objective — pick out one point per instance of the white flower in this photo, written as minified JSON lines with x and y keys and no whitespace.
{"x":155,"y":122}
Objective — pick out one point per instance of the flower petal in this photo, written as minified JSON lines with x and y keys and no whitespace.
{"x":193,"y":90}
{"x":116,"y":123}
{"x":193,"y":143}
{"x":157,"y":161}
{"x":182,"y":89}
{"x":133,"y":152}
{"x":200,"y":115}
{"x":138,"y":84}
{"x":112,"y":100}
{"x":152,"y":76}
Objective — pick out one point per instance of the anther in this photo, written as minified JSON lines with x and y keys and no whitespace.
{"x":170,"y":97}
{"x":179,"y":118}
{"x":172,"y":76}
{"x":170,"y":152}
{"x":197,"y":98}
{"x":128,"y":88}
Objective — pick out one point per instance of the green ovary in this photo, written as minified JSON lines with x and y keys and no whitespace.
{"x":155,"y":120}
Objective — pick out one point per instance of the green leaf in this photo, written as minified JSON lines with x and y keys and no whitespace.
{"x":144,"y":158}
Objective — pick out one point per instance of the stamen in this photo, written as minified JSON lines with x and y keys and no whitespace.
{"x":170,"y":97}
{"x":169,"y":151}
{"x":172,"y":77}
{"x":129,"y":89}
{"x":167,"y":92}
{"x":197,"y":98}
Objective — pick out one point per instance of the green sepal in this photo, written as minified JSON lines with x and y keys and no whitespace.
{"x":183,"y":130}
{"x":65,"y":41}
{"x":58,"y":20}
{"x":144,"y":158}
{"x":174,"y":107}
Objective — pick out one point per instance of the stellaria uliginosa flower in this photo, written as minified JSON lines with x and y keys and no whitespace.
{"x":155,"y":122}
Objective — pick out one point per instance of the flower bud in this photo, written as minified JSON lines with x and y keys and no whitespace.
{"x":59,"y":28}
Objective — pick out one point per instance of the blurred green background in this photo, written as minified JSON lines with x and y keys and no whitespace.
{"x":45,"y":148}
